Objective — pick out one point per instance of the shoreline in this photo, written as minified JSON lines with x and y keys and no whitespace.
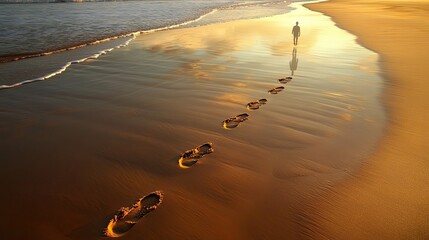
{"x":22,"y":56}
{"x":53,"y":58}
{"x":102,"y":39}
{"x":391,"y":187}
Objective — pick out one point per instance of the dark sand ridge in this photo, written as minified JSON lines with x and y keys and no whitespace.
{"x":389,"y":197}
{"x":106,"y":132}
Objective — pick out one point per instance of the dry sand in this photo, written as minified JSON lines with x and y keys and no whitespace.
{"x":389,"y":197}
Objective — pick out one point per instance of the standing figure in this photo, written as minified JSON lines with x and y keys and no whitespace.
{"x":296,"y":31}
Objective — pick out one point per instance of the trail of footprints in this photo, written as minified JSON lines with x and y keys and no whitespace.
{"x":126,"y":217}
{"x":234,"y":122}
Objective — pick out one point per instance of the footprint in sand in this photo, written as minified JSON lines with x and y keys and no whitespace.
{"x":233,"y":122}
{"x":257,"y":104}
{"x":126,"y":217}
{"x":192,"y":156}
{"x":285,"y":80}
{"x":276,"y":90}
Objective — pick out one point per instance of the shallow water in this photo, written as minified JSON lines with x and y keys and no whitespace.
{"x":43,"y":27}
{"x":46,"y":56}
{"x":111,"y":130}
{"x":31,"y":28}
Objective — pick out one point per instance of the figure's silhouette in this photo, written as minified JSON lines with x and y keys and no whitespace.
{"x":296,"y":31}
{"x":293,"y":64}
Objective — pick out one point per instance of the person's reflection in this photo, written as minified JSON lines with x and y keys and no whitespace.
{"x":293,"y":64}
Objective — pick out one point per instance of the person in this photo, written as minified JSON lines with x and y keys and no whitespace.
{"x":296,"y":31}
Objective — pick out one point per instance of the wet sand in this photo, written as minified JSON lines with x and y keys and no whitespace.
{"x":388,"y":198}
{"x":104,"y":133}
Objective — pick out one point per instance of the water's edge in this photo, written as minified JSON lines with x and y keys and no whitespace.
{"x":127,"y":38}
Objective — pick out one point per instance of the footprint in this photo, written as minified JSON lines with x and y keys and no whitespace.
{"x":256,"y":105}
{"x":263,"y":101}
{"x":192,"y":156}
{"x":285,"y":80}
{"x":276,"y":90}
{"x":126,"y":217}
{"x":235,"y":121}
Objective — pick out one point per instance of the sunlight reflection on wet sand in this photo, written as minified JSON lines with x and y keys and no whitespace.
{"x":141,"y":106}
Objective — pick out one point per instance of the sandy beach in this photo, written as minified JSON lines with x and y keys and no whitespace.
{"x":336,"y":152}
{"x":388,"y":198}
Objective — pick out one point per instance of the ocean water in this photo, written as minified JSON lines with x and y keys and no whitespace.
{"x":36,"y":28}
{"x":67,"y":33}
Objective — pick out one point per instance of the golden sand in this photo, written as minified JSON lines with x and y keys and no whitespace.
{"x":389,"y":197}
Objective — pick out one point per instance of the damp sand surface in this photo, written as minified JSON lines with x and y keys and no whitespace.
{"x":105,"y":132}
